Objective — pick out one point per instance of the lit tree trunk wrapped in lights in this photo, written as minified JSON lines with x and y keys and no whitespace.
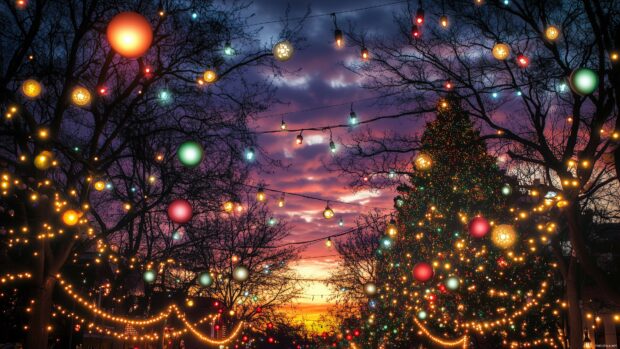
{"x":463,"y":263}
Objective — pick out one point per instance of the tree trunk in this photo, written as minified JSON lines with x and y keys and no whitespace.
{"x":578,"y":242}
{"x":41,"y":313}
{"x":574,"y":308}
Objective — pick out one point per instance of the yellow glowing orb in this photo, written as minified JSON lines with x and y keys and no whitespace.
{"x":31,"y":88}
{"x":283,"y":51}
{"x":501,"y":51}
{"x":209,"y":76}
{"x":504,"y":236}
{"x":80,"y":96}
{"x":423,"y":162}
{"x":99,"y":185}
{"x":229,"y":206}
{"x":43,"y":161}
{"x":328,"y":213}
{"x":552,"y":33}
{"x":71,"y":217}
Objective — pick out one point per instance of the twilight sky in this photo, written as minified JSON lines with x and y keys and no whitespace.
{"x":320,"y":79}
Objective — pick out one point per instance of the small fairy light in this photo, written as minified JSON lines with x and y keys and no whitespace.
{"x":339,"y":38}
{"x":283,"y":125}
{"x":250,"y":154}
{"x":228,"y":49}
{"x":281,"y":201}
{"x":391,"y":229}
{"x":299,"y":139}
{"x":523,"y":61}
{"x":341,"y":222}
{"x":332,"y":146}
{"x":328,"y":242}
{"x":228,"y":206}
{"x":444,"y":22}
{"x":614,"y":56}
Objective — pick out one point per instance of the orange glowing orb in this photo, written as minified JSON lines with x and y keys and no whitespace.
{"x":31,"y":88}
{"x":71,"y":217}
{"x":130,"y":34}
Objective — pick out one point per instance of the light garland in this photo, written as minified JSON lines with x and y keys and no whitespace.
{"x":462,"y":342}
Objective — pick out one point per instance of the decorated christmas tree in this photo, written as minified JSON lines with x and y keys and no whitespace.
{"x":458,"y":264}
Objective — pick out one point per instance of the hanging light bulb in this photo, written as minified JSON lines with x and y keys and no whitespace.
{"x":448,"y":85}
{"x":391,"y":229}
{"x":281,"y":201}
{"x":299,"y":139}
{"x":444,"y":22}
{"x":283,"y":125}
{"x":419,"y":16}
{"x":332,"y":146}
{"x":587,"y":342}
{"x":228,"y":49}
{"x":328,"y":213}
{"x":353,"y":117}
{"x":260,"y":195}
{"x":328,"y":243}
{"x":339,"y":37}
{"x":250,"y":154}
{"x":341,"y":222}
{"x":365,"y":54}
{"x":415,"y":32}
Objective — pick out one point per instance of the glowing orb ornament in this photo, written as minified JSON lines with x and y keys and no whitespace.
{"x":584,"y":81}
{"x":501,"y":51}
{"x":370,"y":288}
{"x":130,"y":34}
{"x":506,"y":190}
{"x":241,"y":273}
{"x":209,"y":76}
{"x":99,"y":185}
{"x":504,"y":236}
{"x":423,"y":162}
{"x":149,"y":276}
{"x":205,"y":279}
{"x":190,"y":154}
{"x":422,"y":271}
{"x":70,"y":217}
{"x":31,"y":88}
{"x":552,"y":33}
{"x":180,"y":211}
{"x":478,"y":227}
{"x":283,"y":51}
{"x":422,"y":315}
{"x":452,"y":283}
{"x":44,"y":160}
{"x":80,"y":96}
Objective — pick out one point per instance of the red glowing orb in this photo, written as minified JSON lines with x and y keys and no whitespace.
{"x":130,"y":34}
{"x":180,"y":211}
{"x":479,"y":227}
{"x":422,"y":271}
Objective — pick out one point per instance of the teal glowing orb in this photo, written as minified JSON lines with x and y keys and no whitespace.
{"x":584,"y":81}
{"x":205,"y":279}
{"x":506,"y":190}
{"x":190,"y":154}
{"x":422,"y":315}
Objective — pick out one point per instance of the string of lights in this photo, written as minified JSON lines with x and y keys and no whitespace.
{"x":325,"y":14}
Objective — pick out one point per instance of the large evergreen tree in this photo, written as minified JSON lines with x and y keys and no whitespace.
{"x":476,"y":281}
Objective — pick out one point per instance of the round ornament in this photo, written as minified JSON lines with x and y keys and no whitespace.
{"x":43,"y":160}
{"x":283,"y":51}
{"x":130,"y":34}
{"x":209,"y":76}
{"x":80,"y":96}
{"x":422,"y":271}
{"x":99,"y":185}
{"x":506,"y":190}
{"x":190,"y":154}
{"x":180,"y":211}
{"x":584,"y":81}
{"x":370,"y":288}
{"x":478,"y":227}
{"x":422,"y":315}
{"x":31,"y":88}
{"x":70,"y":217}
{"x":501,"y":51}
{"x":205,"y":279}
{"x":241,"y":273}
{"x":552,"y":33}
{"x":504,"y":236}
{"x":149,"y":276}
{"x":423,"y":162}
{"x":452,"y":283}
